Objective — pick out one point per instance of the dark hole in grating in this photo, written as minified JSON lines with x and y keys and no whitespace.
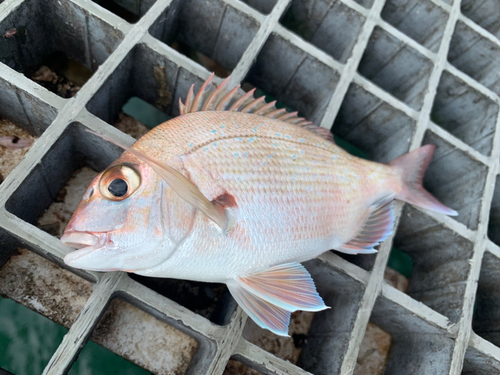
{"x":24,"y":110}
{"x":94,"y":357}
{"x":485,"y":13}
{"x":235,"y":367}
{"x":478,"y":363}
{"x":15,"y":142}
{"x":329,"y":25}
{"x":213,"y":33}
{"x":396,"y":67}
{"x":144,"y":75}
{"x":373,"y":351}
{"x":465,"y":113}
{"x":421,"y":20}
{"x":494,"y":221}
{"x":73,"y":150}
{"x":210,"y":300}
{"x":138,"y":336}
{"x":441,"y":262}
{"x":417,"y":346}
{"x":28,"y":340}
{"x":380,"y":131}
{"x":59,"y":74}
{"x":465,"y":47}
{"x":365,"y":3}
{"x":293,"y":77}
{"x":138,"y":117}
{"x":328,"y":337}
{"x":263,"y":6}
{"x":130,"y":10}
{"x":486,"y":319}
{"x":455,"y":179}
{"x":43,"y":28}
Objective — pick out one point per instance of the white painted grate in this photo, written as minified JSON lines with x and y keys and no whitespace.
{"x":386,"y":76}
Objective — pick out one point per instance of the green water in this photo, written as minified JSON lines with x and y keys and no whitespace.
{"x":28,"y":341}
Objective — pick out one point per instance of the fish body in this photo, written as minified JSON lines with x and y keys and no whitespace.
{"x":241,"y":198}
{"x":293,"y":195}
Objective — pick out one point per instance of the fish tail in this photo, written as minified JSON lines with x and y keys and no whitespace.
{"x":411,"y":168}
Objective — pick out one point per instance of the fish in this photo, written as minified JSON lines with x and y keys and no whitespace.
{"x":15,"y":142}
{"x":236,"y":191}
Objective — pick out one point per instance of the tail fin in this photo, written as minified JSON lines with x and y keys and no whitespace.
{"x":411,"y":168}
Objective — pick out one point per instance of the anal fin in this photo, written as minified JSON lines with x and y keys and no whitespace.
{"x":269,"y":296}
{"x":377,"y":226}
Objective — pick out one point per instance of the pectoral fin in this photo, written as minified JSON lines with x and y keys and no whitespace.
{"x":179,"y":183}
{"x":268,"y":297}
{"x":377,"y":226}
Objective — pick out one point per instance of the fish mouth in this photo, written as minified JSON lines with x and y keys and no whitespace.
{"x":84,"y":242}
{"x":79,"y":240}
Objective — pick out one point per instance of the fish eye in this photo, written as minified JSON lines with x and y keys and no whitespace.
{"x":118,"y":187}
{"x":119,"y":182}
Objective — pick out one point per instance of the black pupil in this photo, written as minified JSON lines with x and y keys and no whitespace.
{"x":118,"y":187}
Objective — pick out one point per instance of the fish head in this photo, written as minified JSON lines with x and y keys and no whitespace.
{"x":127,"y":220}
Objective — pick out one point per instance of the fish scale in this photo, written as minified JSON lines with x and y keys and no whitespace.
{"x":219,"y":195}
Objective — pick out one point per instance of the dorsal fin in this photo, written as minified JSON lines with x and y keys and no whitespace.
{"x":223,"y":98}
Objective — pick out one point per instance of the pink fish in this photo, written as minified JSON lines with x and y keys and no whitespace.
{"x":236,"y":191}
{"x":15,"y":142}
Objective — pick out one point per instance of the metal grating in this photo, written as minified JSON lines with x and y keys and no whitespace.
{"x":387,"y":76}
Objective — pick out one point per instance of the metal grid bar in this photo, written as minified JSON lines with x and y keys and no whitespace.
{"x":354,"y":69}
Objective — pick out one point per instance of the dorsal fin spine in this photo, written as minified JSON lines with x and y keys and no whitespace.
{"x":226,"y":99}
{"x":210,"y":98}
{"x":238,"y":103}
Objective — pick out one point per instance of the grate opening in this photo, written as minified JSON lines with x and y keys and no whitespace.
{"x":74,"y":149}
{"x":329,"y":25}
{"x":57,"y":215}
{"x":147,"y":75}
{"x":293,"y":76}
{"x":43,"y":286}
{"x":465,"y":47}
{"x":328,"y":337}
{"x":396,"y":67}
{"x":465,"y":113}
{"x":441,"y":262}
{"x":206,"y":29}
{"x":456,"y":179}
{"x":365,"y":3}
{"x":486,"y":321}
{"x":417,"y":346}
{"x":130,"y":10}
{"x":373,"y":351}
{"x":478,"y":363}
{"x":210,"y":300}
{"x":44,"y":28}
{"x":484,"y":13}
{"x":263,"y":6}
{"x":94,"y":356}
{"x":372,"y":125}
{"x":26,"y":354}
{"x":421,"y":20}
{"x":142,"y":338}
{"x":235,"y":367}
{"x":24,"y":109}
{"x":494,"y":220}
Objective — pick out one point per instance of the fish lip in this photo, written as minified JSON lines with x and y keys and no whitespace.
{"x":79,"y":240}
